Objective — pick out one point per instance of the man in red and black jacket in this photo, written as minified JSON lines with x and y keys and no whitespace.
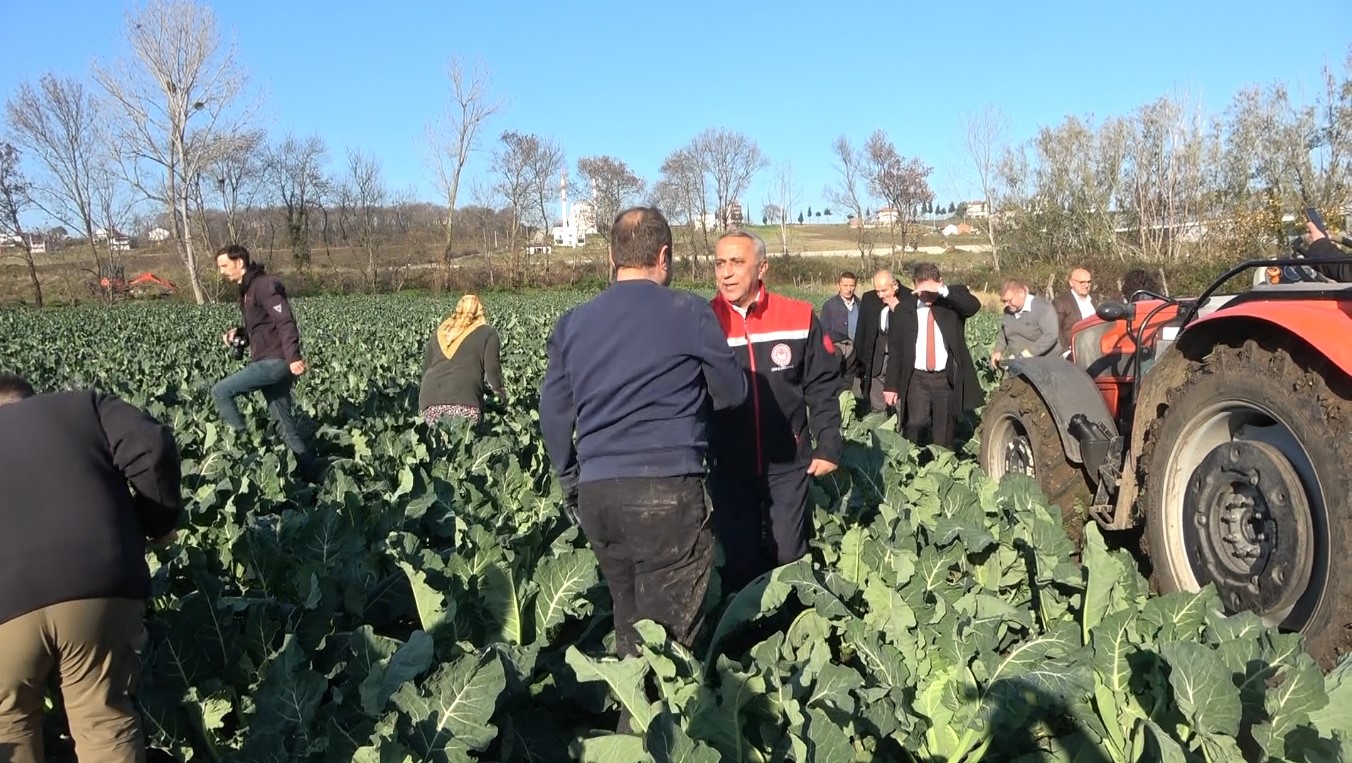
{"x":762,"y":452}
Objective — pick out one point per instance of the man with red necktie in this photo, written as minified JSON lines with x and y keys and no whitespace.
{"x":931,"y":378}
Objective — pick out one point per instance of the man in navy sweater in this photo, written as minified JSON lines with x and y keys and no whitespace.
{"x":635,"y":372}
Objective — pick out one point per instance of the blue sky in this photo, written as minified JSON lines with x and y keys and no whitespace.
{"x":637,"y":81}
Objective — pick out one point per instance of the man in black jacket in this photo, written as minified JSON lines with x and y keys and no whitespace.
{"x":275,"y":361}
{"x":930,"y":374}
{"x":870,"y":347}
{"x":840,"y":317}
{"x":1321,"y":246}
{"x":73,"y":574}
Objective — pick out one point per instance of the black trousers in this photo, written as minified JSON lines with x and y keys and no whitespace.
{"x":655,"y":546}
{"x":762,"y":522}
{"x":929,"y":404}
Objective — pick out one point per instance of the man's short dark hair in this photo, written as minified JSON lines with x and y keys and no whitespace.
{"x":235,"y":252}
{"x":925,"y":271}
{"x":849,"y":275}
{"x":1138,"y":279}
{"x":14,"y":388}
{"x":637,"y":237}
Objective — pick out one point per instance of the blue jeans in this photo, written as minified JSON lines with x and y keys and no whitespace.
{"x":273,"y":377}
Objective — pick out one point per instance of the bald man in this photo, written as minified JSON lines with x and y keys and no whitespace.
{"x":870,"y":341}
{"x":1073,"y":304}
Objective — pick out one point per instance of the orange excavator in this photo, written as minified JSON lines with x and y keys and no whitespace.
{"x":115,"y":286}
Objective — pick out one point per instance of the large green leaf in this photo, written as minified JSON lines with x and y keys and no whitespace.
{"x":450,"y":714}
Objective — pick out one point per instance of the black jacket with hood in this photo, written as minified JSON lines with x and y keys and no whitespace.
{"x":269,"y":323}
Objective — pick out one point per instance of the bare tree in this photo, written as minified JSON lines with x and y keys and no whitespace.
{"x":14,"y":199}
{"x":986,"y":134}
{"x":489,"y":220}
{"x":902,"y":182}
{"x":114,"y":207}
{"x":450,"y":141}
{"x":612,"y":187}
{"x":172,"y":106}
{"x":683,"y":192}
{"x":1163,"y":176}
{"x":237,"y":176}
{"x":787,"y":193}
{"x":544,"y":170}
{"x":731,"y":159}
{"x":55,"y":124}
{"x":851,"y":190}
{"x":512,"y":184}
{"x":295,"y":170}
{"x":361,"y":199}
{"x":1076,"y":174}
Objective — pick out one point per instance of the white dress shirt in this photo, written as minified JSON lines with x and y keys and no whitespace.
{"x":1086,"y":305}
{"x":922,"y":312}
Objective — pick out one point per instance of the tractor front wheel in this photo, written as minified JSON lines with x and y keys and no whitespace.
{"x":1247,"y":481}
{"x":1018,"y":436}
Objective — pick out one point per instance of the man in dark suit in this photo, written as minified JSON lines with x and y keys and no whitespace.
{"x":930,"y":374}
{"x":840,"y":320}
{"x":870,"y":340}
{"x":1074,"y":304}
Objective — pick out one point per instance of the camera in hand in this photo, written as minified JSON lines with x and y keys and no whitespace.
{"x":238,"y":343}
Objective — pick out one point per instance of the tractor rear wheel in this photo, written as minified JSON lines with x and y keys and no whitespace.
{"x":1248,"y":477}
{"x":1018,"y":436}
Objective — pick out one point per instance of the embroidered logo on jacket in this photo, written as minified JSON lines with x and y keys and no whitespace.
{"x":781,"y":355}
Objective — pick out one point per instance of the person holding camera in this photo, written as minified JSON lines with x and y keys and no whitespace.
{"x":270,"y":334}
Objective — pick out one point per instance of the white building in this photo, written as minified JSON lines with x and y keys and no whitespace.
{"x":582,"y":216}
{"x":158,"y":234}
{"x":977,"y":209}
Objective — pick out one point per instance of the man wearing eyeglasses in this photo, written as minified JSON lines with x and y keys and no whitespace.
{"x":1074,"y":304}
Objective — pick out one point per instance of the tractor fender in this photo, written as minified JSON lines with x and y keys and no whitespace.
{"x":1066,"y":390}
{"x":1324,"y":325}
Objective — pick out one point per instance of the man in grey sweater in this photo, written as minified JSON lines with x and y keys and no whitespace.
{"x":1028,"y":328}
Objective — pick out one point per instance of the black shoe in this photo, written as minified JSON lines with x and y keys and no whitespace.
{"x":311,"y":470}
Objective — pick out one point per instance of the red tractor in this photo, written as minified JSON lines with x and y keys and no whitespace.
{"x":1219,"y":427}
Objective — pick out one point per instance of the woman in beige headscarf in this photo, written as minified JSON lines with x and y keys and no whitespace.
{"x":462,"y":359}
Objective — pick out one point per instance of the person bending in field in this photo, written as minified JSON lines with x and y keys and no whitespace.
{"x":635,"y":372}
{"x":89,"y":482}
{"x":275,"y":361}
{"x":461,"y":362}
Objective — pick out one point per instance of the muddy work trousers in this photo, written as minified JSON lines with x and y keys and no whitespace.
{"x":762,"y":522}
{"x":91,"y":645}
{"x":653,"y":540}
